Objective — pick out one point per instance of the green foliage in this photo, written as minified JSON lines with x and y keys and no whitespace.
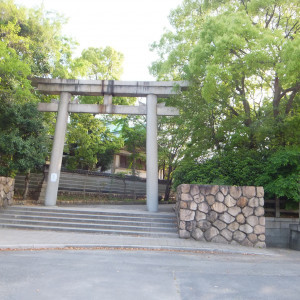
{"x":281,"y":175}
{"x":23,"y":145}
{"x":32,"y":45}
{"x":278,"y":172}
{"x":242,"y":61}
{"x":133,"y":134}
{"x":99,"y":64}
{"x":14,"y":85}
{"x":36,"y":37}
{"x":90,"y":144}
{"x":240,"y":167}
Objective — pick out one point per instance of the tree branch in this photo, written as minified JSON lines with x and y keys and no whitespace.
{"x":233,"y":111}
{"x":290,"y":102}
{"x":276,"y":99}
{"x":295,"y":25}
{"x":279,"y":93}
{"x":271,"y":16}
{"x":295,"y":88}
{"x":246,"y":105}
{"x":235,"y":53}
{"x":245,"y":6}
{"x":279,"y":18}
{"x":238,"y":88}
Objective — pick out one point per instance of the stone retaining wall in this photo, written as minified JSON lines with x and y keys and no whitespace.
{"x":221,"y":214}
{"x":6,"y":191}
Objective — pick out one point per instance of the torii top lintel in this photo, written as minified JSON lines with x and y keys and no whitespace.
{"x":162,"y":89}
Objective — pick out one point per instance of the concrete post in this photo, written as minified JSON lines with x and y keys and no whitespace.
{"x":151,"y":154}
{"x":57,"y":149}
{"x":108,"y":102}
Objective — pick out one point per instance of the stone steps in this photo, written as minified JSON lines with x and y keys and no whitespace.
{"x":97,"y":220}
{"x":105,"y":222}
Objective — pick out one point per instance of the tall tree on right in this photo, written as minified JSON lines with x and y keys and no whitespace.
{"x":242,"y":60}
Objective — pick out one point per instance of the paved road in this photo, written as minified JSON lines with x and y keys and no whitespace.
{"x":136,"y":274}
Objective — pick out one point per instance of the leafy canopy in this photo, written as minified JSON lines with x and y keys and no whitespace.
{"x":242,"y":61}
{"x":23,"y":143}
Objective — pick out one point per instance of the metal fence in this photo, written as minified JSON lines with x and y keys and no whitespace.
{"x":277,"y":208}
{"x":85,"y":182}
{"x":35,"y":184}
{"x":92,"y":182}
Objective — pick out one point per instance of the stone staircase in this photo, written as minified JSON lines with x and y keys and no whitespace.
{"x":90,"y":221}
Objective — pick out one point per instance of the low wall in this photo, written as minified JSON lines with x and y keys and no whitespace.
{"x":278,"y":231}
{"x":221,"y":214}
{"x":6,"y":191}
{"x":295,"y":236}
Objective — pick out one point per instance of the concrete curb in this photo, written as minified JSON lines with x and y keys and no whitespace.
{"x":26,"y":247}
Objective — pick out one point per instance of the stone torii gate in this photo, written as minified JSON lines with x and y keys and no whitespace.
{"x":66,"y":88}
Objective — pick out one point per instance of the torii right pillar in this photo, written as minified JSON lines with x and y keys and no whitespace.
{"x":151,"y":154}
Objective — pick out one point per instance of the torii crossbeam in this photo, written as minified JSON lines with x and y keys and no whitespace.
{"x":66,"y":88}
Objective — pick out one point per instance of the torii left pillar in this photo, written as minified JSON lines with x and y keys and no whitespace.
{"x":57,"y":149}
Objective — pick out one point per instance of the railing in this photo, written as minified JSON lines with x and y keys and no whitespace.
{"x":35,"y":183}
{"x":92,"y":182}
{"x":276,"y":208}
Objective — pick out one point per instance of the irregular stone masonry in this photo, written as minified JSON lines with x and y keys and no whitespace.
{"x":222,"y":214}
{"x":6,"y":191}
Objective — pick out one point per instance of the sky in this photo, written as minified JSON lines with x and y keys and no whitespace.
{"x":129,"y":26}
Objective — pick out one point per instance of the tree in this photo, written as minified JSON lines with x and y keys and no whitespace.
{"x":23,"y":142}
{"x":99,"y":64}
{"x":171,"y":146}
{"x":31,"y":44}
{"x":14,"y":85}
{"x":36,"y":37}
{"x":133,"y":133}
{"x":281,"y":177}
{"x":242,"y":61}
{"x":90,"y":144}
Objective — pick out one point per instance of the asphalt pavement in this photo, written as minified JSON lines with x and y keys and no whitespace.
{"x":62,"y":265}
{"x":147,"y":274}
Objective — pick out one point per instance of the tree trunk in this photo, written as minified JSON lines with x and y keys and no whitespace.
{"x":133,"y":165}
{"x":168,"y":185}
{"x":85,"y":181}
{"x":290,"y":102}
{"x":168,"y":190}
{"x":277,"y":97}
{"x":277,"y":207}
{"x":26,"y":188}
{"x":212,"y":124}
{"x":246,"y":105}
